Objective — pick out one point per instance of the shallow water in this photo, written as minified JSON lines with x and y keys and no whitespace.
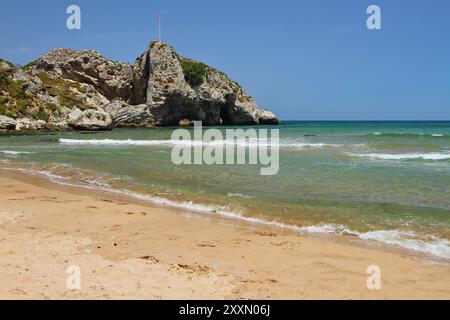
{"x":383,"y":181}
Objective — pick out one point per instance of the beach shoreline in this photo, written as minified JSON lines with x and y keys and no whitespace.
{"x":131,"y":250}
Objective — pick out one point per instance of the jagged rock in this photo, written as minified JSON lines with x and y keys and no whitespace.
{"x":169,"y":95}
{"x":7,"y":123}
{"x":92,"y":98}
{"x":141,"y":76}
{"x":111,"y":79}
{"x":156,"y":80}
{"x":46,"y":98}
{"x":89,"y":120}
{"x":267,"y":117}
{"x":126,"y":116}
{"x":30,"y":84}
{"x":218,"y":100}
{"x":58,"y":120}
{"x":25,"y":124}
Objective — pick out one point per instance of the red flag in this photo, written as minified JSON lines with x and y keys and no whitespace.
{"x":158,"y":17}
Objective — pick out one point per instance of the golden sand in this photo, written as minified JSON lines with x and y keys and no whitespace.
{"x":131,"y":250}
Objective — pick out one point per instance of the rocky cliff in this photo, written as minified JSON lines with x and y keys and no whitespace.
{"x":82,"y":90}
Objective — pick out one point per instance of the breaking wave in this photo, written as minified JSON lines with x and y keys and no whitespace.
{"x":14,"y":153}
{"x":405,"y":156}
{"x":245,"y":143}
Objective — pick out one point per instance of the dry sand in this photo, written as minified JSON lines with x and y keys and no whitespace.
{"x":130,"y":250}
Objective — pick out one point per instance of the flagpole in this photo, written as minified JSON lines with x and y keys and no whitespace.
{"x":159,"y":24}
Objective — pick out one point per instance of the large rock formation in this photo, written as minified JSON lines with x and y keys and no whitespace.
{"x":160,"y":88}
{"x":217,"y":100}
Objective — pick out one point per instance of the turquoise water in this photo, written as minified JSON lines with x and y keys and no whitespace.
{"x":383,"y":181}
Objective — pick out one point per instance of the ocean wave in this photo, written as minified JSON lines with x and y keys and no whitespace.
{"x":245,"y":143}
{"x":408,"y":134}
{"x":14,"y":153}
{"x":404,"y":239}
{"x":239,"y":195}
{"x":409,"y":240}
{"x":404,"y":156}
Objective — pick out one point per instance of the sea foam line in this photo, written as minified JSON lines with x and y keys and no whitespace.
{"x":408,"y":239}
{"x":404,"y":156}
{"x":245,"y":143}
{"x":438,"y":135}
{"x":14,"y":153}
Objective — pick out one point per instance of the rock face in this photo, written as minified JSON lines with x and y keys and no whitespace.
{"x":30,"y":84}
{"x":126,"y":116}
{"x":160,"y":88}
{"x":26,"y":124}
{"x":217,"y":100}
{"x":111,"y":79}
{"x":58,"y":120}
{"x":267,"y":117}
{"x":7,"y":123}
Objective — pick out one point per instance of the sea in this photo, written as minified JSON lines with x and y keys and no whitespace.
{"x":378,"y":182}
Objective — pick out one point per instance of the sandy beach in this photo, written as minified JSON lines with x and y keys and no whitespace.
{"x":131,"y":250}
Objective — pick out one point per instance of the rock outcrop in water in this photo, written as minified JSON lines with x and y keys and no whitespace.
{"x":82,"y":90}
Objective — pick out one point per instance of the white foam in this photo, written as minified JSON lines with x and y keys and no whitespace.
{"x":251,"y":143}
{"x":404,"y":156}
{"x":309,"y":145}
{"x":409,"y":240}
{"x":14,"y":153}
{"x":408,"y":133}
{"x":239,"y":195}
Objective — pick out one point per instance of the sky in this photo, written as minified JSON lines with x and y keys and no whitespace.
{"x":302,"y":59}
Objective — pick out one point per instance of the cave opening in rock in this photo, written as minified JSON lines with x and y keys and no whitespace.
{"x":225,"y":115}
{"x":225,"y":111}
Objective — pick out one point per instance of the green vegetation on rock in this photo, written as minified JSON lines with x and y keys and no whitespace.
{"x":194,"y":72}
{"x":14,"y":101}
{"x":30,"y":64}
{"x":40,"y":114}
{"x":62,"y":89}
{"x":7,"y":62}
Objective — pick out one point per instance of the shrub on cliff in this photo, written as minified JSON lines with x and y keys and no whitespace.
{"x":194,"y":72}
{"x":40,"y":114}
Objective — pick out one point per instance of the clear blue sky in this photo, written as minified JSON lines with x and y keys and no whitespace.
{"x":306,"y":60}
